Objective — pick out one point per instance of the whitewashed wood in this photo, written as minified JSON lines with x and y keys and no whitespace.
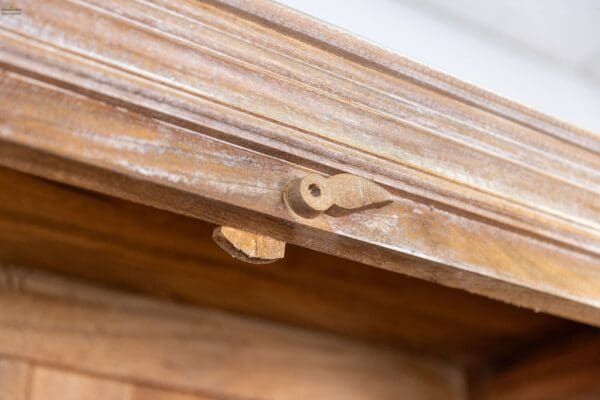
{"x":489,"y":196}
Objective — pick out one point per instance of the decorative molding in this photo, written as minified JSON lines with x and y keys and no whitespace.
{"x":223,"y":103}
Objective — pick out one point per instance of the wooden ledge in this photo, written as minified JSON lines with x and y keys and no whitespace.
{"x":210,"y":109}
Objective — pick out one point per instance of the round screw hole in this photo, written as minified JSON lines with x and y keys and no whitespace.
{"x":314,"y":189}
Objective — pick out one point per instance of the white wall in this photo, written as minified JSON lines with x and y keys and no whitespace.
{"x":476,"y":49}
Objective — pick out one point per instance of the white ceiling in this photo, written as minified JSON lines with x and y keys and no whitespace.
{"x":566,"y":31}
{"x":542,"y":53}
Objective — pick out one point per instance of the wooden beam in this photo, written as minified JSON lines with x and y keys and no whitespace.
{"x":48,"y":225}
{"x":64,"y":324}
{"x":211,"y":109}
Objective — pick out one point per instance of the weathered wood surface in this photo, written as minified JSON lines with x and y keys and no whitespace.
{"x":342,"y":193}
{"x":52,"y":321}
{"x":247,"y":246}
{"x":61,"y":228}
{"x":212,"y":109}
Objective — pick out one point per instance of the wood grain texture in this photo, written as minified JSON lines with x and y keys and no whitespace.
{"x":22,"y":380}
{"x":50,"y":320}
{"x":247,"y":246}
{"x":505,"y":264}
{"x":564,"y":371}
{"x":214,"y":107}
{"x":14,"y":379}
{"x":338,"y":194}
{"x":49,"y":383}
{"x":345,"y":44}
{"x":53,"y":226}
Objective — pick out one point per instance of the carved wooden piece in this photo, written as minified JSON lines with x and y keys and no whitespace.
{"x":314,"y":194}
{"x":228,"y":101}
{"x":247,"y":246}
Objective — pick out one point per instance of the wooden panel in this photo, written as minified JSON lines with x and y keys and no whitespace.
{"x":75,"y":326}
{"x":210,"y":109}
{"x":145,"y":393}
{"x":14,"y":379}
{"x":21,"y":380}
{"x":563,"y":371}
{"x":55,"y":384}
{"x":47,"y":384}
{"x":48,"y":225}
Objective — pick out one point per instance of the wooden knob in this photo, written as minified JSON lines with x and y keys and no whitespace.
{"x":314,"y":194}
{"x":310,"y":195}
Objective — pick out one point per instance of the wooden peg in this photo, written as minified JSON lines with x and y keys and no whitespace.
{"x":247,"y":246}
{"x":315,"y":194}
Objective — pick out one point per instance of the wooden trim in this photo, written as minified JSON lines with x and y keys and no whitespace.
{"x":338,"y":41}
{"x":61,"y":323}
{"x":211,"y":109}
{"x":48,"y":225}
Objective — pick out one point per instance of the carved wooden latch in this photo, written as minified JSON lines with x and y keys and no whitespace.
{"x":342,"y":194}
{"x":307,"y":197}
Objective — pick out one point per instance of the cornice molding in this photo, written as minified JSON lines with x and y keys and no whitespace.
{"x":490,"y":196}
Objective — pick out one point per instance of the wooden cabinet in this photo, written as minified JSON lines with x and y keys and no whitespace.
{"x":131,"y":129}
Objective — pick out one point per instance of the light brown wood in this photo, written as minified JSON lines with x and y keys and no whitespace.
{"x":145,"y":393}
{"x":48,"y":225}
{"x":174,"y":110}
{"x":14,"y":379}
{"x":48,"y":384}
{"x":55,"y":384}
{"x":21,"y":380}
{"x":260,"y":119}
{"x":50,"y":320}
{"x":247,"y":246}
{"x":419,"y":225}
{"x":314,"y":194}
